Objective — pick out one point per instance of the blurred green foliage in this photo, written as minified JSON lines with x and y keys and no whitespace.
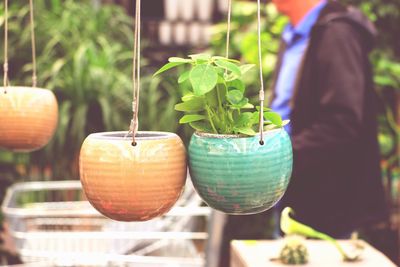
{"x":84,"y":54}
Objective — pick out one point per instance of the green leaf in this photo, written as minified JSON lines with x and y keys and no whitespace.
{"x":201,"y":126}
{"x":226,"y":59}
{"x":244,"y":119}
{"x":245,"y":68}
{"x":271,"y":126}
{"x":265,"y":109}
{"x":184,"y":77}
{"x":285,"y":122}
{"x":57,"y":66}
{"x":203,"y":78}
{"x":241,"y":104}
{"x":246,"y":131}
{"x":201,"y":57}
{"x":168,"y":66}
{"x":188,"y":97}
{"x":234,"y":96}
{"x":221,"y":79}
{"x":274,"y":118}
{"x":248,"y":106}
{"x":229,"y":66}
{"x":180,"y":60}
{"x":193,"y":105}
{"x":236,"y":84}
{"x":212,"y":98}
{"x":191,"y":118}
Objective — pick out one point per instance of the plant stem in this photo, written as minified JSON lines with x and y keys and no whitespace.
{"x":219,"y":99}
{"x":210,"y":118}
{"x":221,"y":109}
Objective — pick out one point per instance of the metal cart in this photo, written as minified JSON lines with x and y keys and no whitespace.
{"x":52,"y":222}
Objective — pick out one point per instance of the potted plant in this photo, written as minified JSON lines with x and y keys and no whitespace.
{"x":230,"y":169}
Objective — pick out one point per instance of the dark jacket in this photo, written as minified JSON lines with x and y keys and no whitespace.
{"x":336,"y":184}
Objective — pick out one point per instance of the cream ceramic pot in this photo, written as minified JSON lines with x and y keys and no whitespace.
{"x":28,"y":118}
{"x":133,"y":183}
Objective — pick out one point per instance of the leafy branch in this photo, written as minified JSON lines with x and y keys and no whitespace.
{"x":216,"y":102}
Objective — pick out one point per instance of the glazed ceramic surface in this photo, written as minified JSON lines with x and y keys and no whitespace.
{"x":28,"y":118}
{"x":127,"y":183}
{"x":237,"y":175}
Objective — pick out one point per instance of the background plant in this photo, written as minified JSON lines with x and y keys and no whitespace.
{"x":84,"y":55}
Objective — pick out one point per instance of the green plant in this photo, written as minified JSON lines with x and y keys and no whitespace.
{"x":216,"y":102}
{"x":243,"y":44}
{"x":292,"y":227}
{"x":294,"y":251}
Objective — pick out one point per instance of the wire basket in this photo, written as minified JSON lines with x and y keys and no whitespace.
{"x":52,"y":222}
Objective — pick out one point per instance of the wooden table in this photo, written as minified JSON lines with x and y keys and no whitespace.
{"x":321,"y":254}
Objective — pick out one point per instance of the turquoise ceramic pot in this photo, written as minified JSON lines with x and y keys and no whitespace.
{"x":237,"y":175}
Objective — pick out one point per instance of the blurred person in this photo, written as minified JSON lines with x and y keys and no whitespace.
{"x":323,"y":84}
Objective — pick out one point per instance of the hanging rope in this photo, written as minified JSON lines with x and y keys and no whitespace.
{"x":5,"y":66}
{"x":261,"y":93}
{"x":228,"y":31}
{"x":136,"y":74}
{"x":34,"y":76}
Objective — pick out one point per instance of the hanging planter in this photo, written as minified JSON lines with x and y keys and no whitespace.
{"x":28,"y":118}
{"x":28,"y":115}
{"x":133,"y":176}
{"x":234,"y":169}
{"x":133,"y":183}
{"x":237,"y":175}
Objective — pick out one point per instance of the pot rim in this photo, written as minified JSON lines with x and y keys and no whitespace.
{"x":22,"y":88}
{"x":140,"y":136}
{"x":232,"y":136}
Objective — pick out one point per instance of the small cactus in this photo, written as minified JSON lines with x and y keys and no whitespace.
{"x":294,"y":251}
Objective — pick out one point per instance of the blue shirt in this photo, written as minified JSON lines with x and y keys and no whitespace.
{"x":296,"y":39}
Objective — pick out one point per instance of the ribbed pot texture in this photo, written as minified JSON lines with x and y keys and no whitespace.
{"x":133,"y":183}
{"x":237,"y":175}
{"x":28,"y":118}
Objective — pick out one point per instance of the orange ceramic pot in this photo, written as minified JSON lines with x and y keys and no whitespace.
{"x":133,"y":183}
{"x":28,"y":118}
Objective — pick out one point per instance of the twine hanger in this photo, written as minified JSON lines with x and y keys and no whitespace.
{"x":136,"y":74}
{"x":6,"y":82}
{"x":262,"y":89}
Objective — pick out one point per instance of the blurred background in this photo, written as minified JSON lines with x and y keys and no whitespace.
{"x":84,"y":54}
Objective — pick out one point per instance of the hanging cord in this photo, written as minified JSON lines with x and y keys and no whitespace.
{"x":228,"y":31}
{"x":136,"y":74}
{"x":5,"y":67}
{"x":32,"y":21}
{"x":261,"y":93}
